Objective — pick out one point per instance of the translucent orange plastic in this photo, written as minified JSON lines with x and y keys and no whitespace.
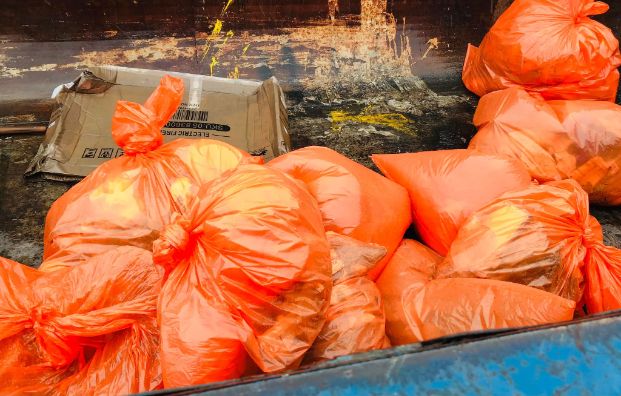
{"x":249,"y":278}
{"x":543,"y":237}
{"x":127,"y":200}
{"x":603,"y":274}
{"x":446,"y":186}
{"x":547,"y":46}
{"x":353,"y":200}
{"x":355,"y":318}
{"x":411,"y":267}
{"x":555,"y":140}
{"x":90,"y":329}
{"x":420,"y":308}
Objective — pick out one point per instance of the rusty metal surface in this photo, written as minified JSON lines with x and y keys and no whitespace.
{"x":42,"y":48}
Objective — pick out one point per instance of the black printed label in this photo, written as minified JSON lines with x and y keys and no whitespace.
{"x":190,"y":115}
{"x":89,"y":153}
{"x":191,"y":119}
{"x":186,"y":133}
{"x":197,"y":125}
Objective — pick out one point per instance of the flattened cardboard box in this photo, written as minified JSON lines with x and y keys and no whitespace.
{"x":250,"y":115}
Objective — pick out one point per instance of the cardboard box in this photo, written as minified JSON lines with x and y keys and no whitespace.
{"x":250,"y":115}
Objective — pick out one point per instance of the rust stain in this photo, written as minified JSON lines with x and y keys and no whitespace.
{"x":373,"y":11}
{"x":333,"y":9}
{"x":150,"y":50}
{"x":11,"y":72}
{"x":432,"y":43}
{"x":14,"y":119}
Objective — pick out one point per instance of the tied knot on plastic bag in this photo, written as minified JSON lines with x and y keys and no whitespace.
{"x":136,"y":128}
{"x":590,"y":9}
{"x":36,"y":318}
{"x":592,"y":236}
{"x":58,"y":349}
{"x":173,"y":241}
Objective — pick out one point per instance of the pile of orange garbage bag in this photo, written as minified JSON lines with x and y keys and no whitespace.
{"x":248,"y":278}
{"x":552,"y":47}
{"x":355,"y":319}
{"x":66,"y":331}
{"x":192,"y":262}
{"x":129,"y":199}
{"x":555,"y":140}
{"x":420,"y":306}
{"x":447,"y":186}
{"x":543,"y":237}
{"x":354,"y":200}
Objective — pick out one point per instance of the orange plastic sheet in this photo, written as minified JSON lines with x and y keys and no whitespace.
{"x":420,"y":308}
{"x":555,"y":140}
{"x":249,"y":278}
{"x":353,"y":200}
{"x":543,"y":237}
{"x":446,"y":186}
{"x":548,"y":46}
{"x":90,"y":329}
{"x":127,"y":200}
{"x":355,"y":318}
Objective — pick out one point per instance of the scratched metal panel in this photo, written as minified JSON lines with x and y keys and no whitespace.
{"x":582,"y":358}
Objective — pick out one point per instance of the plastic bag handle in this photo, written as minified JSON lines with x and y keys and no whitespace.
{"x":172,"y":243}
{"x":62,"y":337}
{"x":594,"y":8}
{"x":136,"y":128}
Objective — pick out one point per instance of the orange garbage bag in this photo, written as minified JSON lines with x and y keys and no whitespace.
{"x":543,"y":237}
{"x":446,"y":186}
{"x":127,"y":200}
{"x":82,"y":330}
{"x":420,"y":308}
{"x":547,"y":46}
{"x":354,"y":200}
{"x":555,"y":140}
{"x":411,"y":267}
{"x":603,"y":274}
{"x":248,"y":278}
{"x":355,"y":317}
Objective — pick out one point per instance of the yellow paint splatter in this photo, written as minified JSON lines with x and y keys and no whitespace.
{"x":395,"y":121}
{"x":245,"y":50}
{"x":217,"y":28}
{"x":226,"y":7}
{"x":234,"y":74}
{"x":213,"y":36}
{"x":229,"y":34}
{"x":212,"y":65}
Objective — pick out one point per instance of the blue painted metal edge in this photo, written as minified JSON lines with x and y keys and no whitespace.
{"x":578,"y":357}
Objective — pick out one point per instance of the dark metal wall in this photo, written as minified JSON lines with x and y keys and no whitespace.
{"x":94,"y":19}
